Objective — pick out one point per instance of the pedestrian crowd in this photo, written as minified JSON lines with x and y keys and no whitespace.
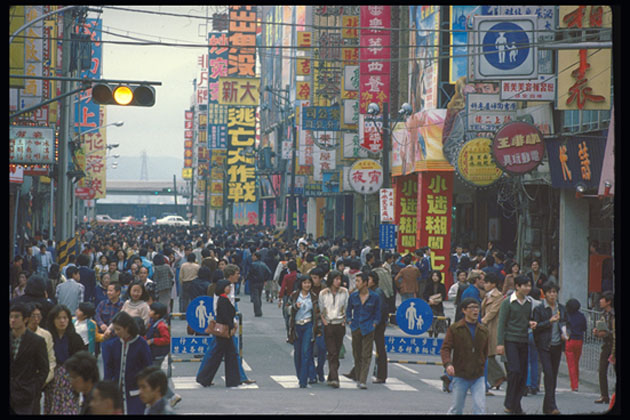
{"x":112,"y":301}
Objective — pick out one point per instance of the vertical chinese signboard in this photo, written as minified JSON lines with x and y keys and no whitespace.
{"x":188,"y":145}
{"x":87,"y":115}
{"x":585,"y":82}
{"x":406,"y":193}
{"x":375,"y":42}
{"x":242,"y":97}
{"x":241,"y":177}
{"x":434,"y":213}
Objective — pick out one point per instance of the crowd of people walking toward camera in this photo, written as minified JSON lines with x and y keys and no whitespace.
{"x":112,"y":301}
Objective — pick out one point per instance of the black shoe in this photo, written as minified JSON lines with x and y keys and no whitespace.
{"x":312,"y":381}
{"x":347,"y":375}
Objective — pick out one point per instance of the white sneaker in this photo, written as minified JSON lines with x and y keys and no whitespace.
{"x":176,"y":398}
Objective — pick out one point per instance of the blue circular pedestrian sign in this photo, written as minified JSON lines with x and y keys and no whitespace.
{"x":506,"y":46}
{"x":414,"y":316}
{"x":199,"y":312}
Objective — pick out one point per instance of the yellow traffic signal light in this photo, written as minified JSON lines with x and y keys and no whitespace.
{"x":123,"y":94}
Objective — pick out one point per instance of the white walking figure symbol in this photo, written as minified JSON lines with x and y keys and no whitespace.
{"x":501,"y":44}
{"x":202,"y":314}
{"x":410,"y":314}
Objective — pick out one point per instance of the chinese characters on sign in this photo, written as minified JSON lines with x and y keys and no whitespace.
{"x":518,"y":147}
{"x":241,"y":168}
{"x":321,"y":118}
{"x":239,"y":91}
{"x":435,"y":197}
{"x":242,"y":40}
{"x":366,"y":176}
{"x":386,"y":200}
{"x":413,"y":345}
{"x":585,"y":85}
{"x":375,"y":40}
{"x":578,"y":160}
{"x":486,"y":112}
{"x":31,"y":145}
{"x":406,"y":192}
{"x":475,"y":163}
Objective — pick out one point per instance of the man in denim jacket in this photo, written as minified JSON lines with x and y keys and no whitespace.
{"x":363,"y":314}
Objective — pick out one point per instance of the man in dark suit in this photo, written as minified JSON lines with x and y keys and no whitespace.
{"x":87,"y":278}
{"x":28,"y":363}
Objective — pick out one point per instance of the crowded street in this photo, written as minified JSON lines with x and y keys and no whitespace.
{"x":314,"y":210}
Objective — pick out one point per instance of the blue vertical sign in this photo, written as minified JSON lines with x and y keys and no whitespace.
{"x":387,"y":236}
{"x":87,"y":113}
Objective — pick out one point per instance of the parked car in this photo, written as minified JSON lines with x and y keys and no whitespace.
{"x":104,"y":219}
{"x":174,"y":221}
{"x":131,"y":221}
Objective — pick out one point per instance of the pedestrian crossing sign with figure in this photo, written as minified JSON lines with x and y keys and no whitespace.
{"x":199,"y":313}
{"x":414,"y":316}
{"x":505,"y":47}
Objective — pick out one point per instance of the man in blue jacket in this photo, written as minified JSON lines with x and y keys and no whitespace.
{"x":363,"y":315}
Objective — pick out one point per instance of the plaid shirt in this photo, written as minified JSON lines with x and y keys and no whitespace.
{"x":106,"y":310}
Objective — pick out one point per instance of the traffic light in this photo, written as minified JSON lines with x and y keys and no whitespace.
{"x":123,"y":94}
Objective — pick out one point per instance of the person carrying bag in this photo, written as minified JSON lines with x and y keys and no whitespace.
{"x":222,"y":328}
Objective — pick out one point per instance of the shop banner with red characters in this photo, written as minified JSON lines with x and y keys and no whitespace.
{"x":434,"y":216}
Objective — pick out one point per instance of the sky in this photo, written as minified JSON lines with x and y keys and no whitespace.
{"x":158,"y":130}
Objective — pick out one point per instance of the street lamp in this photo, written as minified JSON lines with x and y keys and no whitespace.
{"x":403,"y":113}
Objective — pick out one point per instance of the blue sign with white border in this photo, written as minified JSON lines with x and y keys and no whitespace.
{"x":506,"y":47}
{"x":199,"y":312}
{"x":414,"y":316}
{"x":387,"y":236}
{"x":413,"y":345}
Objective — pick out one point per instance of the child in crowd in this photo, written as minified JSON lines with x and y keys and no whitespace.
{"x":158,"y":337}
{"x":86,"y":327}
{"x":153,"y":385}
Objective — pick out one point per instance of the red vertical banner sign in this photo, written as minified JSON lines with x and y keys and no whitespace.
{"x":435,"y":203}
{"x":375,"y":42}
{"x":405,"y":203}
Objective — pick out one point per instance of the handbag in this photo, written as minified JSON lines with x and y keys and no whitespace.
{"x":218,"y":330}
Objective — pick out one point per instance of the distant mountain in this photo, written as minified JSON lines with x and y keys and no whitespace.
{"x":159,"y":168}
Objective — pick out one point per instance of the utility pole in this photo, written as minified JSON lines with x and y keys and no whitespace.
{"x":62,"y":197}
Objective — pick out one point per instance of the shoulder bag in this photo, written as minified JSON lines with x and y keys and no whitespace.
{"x":218,"y":330}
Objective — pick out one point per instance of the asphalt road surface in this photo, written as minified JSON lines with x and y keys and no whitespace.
{"x":268,"y":359}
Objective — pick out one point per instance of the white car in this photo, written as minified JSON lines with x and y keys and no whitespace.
{"x":173,"y":221}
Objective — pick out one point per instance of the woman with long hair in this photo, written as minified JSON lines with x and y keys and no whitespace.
{"x":304,"y":324}
{"x":434,"y":295}
{"x":59,"y":397}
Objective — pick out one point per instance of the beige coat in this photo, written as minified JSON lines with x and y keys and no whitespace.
{"x":490,"y":317}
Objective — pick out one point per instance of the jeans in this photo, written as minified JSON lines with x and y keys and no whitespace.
{"x":477,"y":390}
{"x":533,"y":376}
{"x":303,"y":351}
{"x":573,"y":352}
{"x":224,"y":348}
{"x":550,"y":361}
{"x":405,"y":296}
{"x":211,"y":348}
{"x":319,"y":351}
{"x":256,"y":293}
{"x":516,"y":355}
{"x":285,"y":313}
